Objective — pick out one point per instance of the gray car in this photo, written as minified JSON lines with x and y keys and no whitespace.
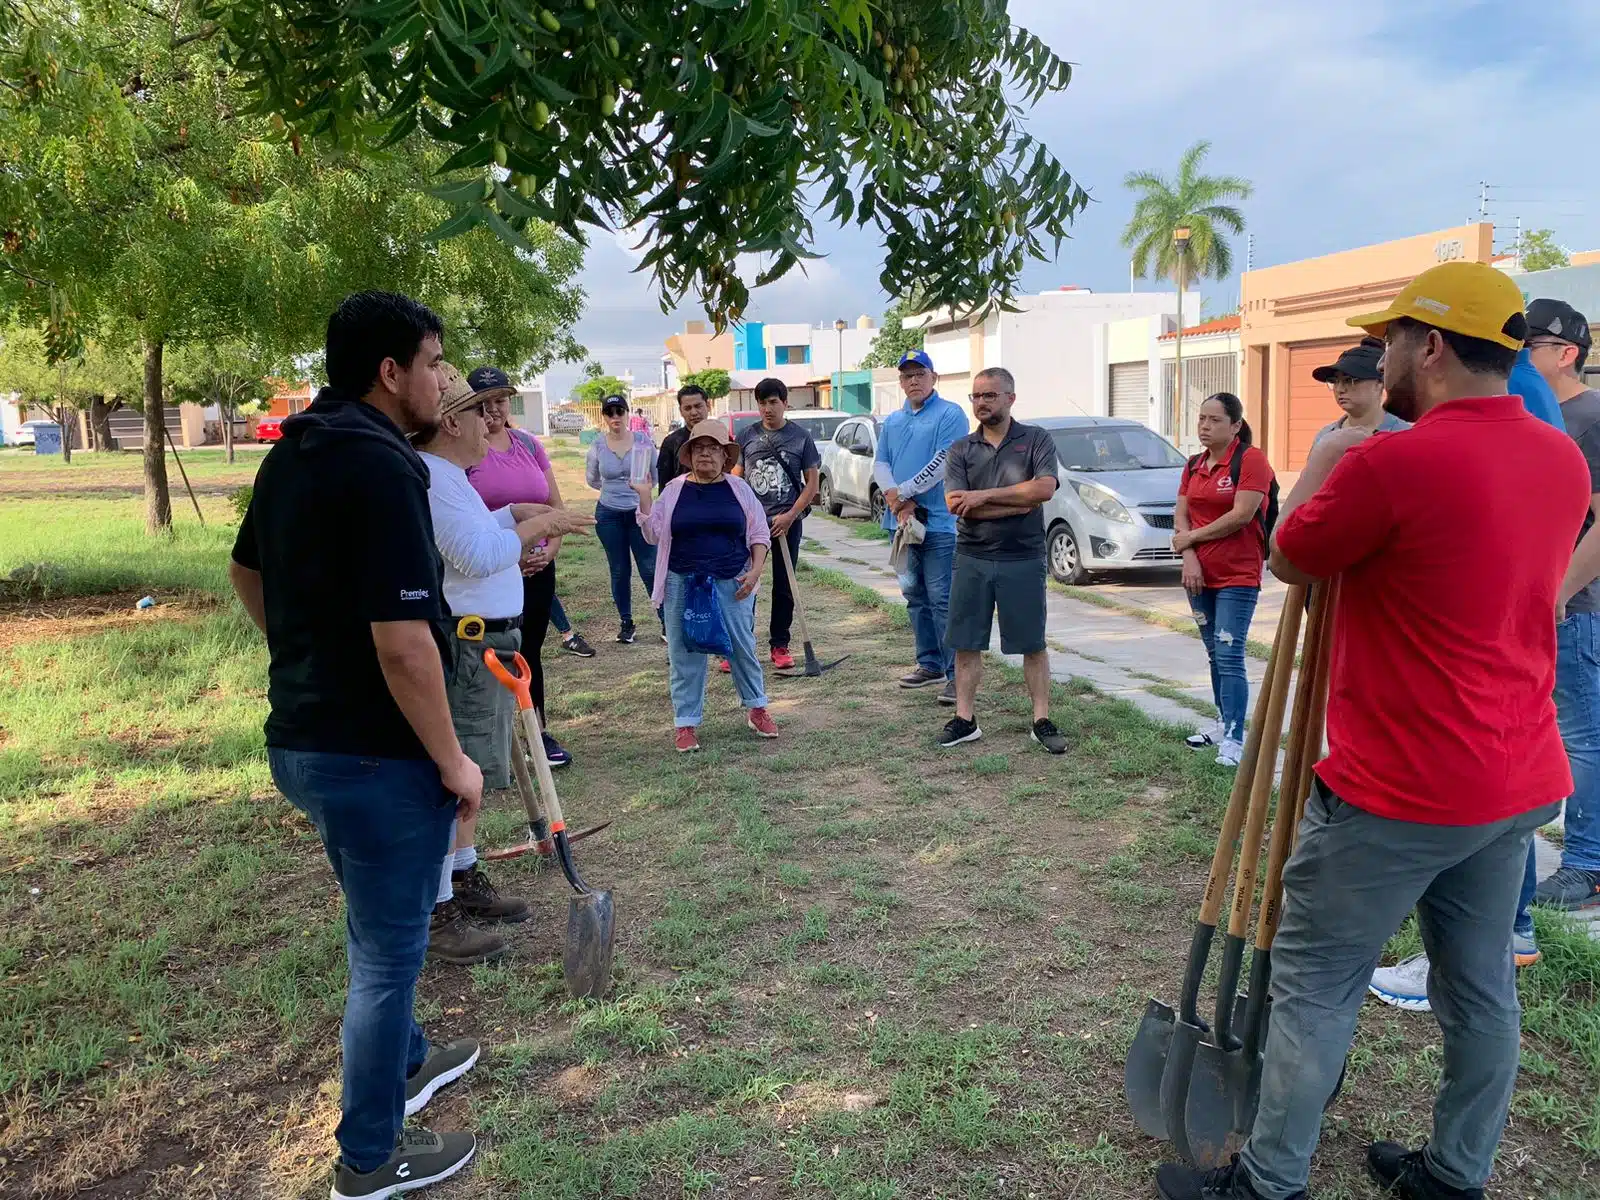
{"x":1113,"y":510}
{"x":846,"y":474}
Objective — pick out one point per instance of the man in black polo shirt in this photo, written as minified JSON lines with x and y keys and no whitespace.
{"x":335,"y":562}
{"x":693,"y":407}
{"x":995,"y":481}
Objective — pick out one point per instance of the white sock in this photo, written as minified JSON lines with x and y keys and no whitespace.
{"x":446,"y":891}
{"x":465,"y":858}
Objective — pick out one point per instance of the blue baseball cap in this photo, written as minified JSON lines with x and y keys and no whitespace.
{"x":915,"y":358}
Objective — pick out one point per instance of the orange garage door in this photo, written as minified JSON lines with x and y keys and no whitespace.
{"x":1311,"y":404}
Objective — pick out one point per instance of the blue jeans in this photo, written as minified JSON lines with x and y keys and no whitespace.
{"x":385,"y":824}
{"x":558,"y":617}
{"x":619,"y":532}
{"x":688,"y":669}
{"x":1578,"y":710}
{"x":926,"y":587}
{"x":1530,"y":883}
{"x":1223,"y":615}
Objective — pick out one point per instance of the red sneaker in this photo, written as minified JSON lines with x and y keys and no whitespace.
{"x":761,"y":722}
{"x":782,"y":660}
{"x":686,"y":740}
{"x":725,"y":667}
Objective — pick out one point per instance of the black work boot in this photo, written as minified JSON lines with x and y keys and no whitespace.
{"x":1404,"y":1173}
{"x":1175,"y":1181}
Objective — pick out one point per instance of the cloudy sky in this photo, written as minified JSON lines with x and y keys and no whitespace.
{"x":1357,"y":122}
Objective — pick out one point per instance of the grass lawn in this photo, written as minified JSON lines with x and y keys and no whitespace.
{"x":849,"y":964}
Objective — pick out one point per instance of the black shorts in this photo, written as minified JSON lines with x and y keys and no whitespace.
{"x":981,"y":586}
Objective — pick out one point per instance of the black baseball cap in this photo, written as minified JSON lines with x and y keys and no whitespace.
{"x":613,"y":404}
{"x":1558,"y":319}
{"x":490,"y":383}
{"x":1358,"y":362}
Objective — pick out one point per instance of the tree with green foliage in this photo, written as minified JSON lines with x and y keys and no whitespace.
{"x":232,"y":375}
{"x":893,"y":339}
{"x":709,"y":126}
{"x":595,"y":388}
{"x":1537,"y":250}
{"x":1193,"y":201}
{"x":145,"y":204}
{"x":713,"y":381}
{"x":96,"y":380}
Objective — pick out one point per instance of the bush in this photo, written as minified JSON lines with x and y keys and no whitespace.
{"x":240,"y":499}
{"x":33,"y":581}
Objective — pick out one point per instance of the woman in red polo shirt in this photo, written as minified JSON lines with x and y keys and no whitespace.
{"x":1221,"y":534}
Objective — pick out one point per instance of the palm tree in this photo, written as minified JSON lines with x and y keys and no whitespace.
{"x":1194,"y":203}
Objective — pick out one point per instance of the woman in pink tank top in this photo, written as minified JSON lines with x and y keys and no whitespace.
{"x":516,"y":470}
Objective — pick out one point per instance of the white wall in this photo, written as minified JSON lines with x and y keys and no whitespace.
{"x":1056,"y":346}
{"x":10,"y":418}
{"x":825,"y":344}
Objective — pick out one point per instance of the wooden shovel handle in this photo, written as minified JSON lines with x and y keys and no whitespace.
{"x":1244,"y":880}
{"x":794,"y":586}
{"x":1222,"y":858}
{"x":516,"y":682}
{"x":1305,"y":740}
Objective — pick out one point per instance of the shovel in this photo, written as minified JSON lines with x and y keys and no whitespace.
{"x":1158,"y":1039}
{"x":1258,"y":1019}
{"x":537,"y":841}
{"x":591,"y":915}
{"x":813,"y":667}
{"x":1221,"y":1103}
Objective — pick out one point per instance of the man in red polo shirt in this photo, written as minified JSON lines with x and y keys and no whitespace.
{"x":1444,"y":755}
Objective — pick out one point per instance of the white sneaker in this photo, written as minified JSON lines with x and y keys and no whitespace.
{"x":1404,"y":985}
{"x":1206,"y":738}
{"x":1229,"y":752}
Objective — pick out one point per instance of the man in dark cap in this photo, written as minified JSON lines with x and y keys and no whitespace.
{"x":1356,"y":380}
{"x":1558,"y":343}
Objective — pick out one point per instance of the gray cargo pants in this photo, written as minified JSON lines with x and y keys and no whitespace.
{"x":1351,"y":881}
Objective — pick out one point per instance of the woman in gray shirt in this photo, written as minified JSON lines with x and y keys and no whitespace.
{"x":615,"y":462}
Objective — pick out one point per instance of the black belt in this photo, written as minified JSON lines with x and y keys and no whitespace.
{"x":472,"y":628}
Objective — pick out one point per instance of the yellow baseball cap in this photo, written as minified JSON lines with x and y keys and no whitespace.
{"x":1472,"y":299}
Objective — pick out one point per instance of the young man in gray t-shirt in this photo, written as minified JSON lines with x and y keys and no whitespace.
{"x":780,"y":461}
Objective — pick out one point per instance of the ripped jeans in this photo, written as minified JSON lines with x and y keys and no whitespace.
{"x":1223,"y":615}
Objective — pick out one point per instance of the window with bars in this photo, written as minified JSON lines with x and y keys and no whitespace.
{"x":517,"y":406}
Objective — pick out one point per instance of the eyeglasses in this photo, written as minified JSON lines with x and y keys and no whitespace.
{"x":1556,"y":342}
{"x":974,"y":397}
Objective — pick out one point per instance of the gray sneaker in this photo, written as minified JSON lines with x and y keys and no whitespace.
{"x":947,"y":694}
{"x":444,"y":1064}
{"x":1569,"y":888}
{"x":421,"y":1158}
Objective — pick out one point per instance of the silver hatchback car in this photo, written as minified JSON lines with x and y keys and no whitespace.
{"x":1113,"y":510}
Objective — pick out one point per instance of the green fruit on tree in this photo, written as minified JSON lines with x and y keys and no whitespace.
{"x":608,"y":104}
{"x":499,"y":154}
{"x":549,"y":20}
{"x":888,"y":53}
{"x":541,"y":114}
{"x":613,"y":47}
{"x":625,"y":83}
{"x":589,"y":4}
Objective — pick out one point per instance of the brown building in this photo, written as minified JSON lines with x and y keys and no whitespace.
{"x":1292,"y":320}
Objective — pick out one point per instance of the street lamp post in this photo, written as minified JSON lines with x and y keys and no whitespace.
{"x":1180,"y":242}
{"x":838,"y":329}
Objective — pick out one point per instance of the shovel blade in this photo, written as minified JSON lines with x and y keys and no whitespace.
{"x":591,"y":936}
{"x":1147,"y":1057}
{"x":1219,"y":1080}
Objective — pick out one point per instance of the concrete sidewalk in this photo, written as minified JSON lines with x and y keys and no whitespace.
{"x":1120,"y":654}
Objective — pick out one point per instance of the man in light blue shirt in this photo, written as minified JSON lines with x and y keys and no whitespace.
{"x":912,"y":444}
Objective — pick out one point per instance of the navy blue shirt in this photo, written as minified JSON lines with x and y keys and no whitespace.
{"x":708,"y":532}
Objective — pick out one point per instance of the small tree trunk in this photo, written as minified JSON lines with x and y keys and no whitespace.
{"x":100,"y":422}
{"x":65,"y":418}
{"x":157,"y":500}
{"x":227,"y":429}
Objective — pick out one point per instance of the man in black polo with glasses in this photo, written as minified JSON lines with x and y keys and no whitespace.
{"x":996,"y":479}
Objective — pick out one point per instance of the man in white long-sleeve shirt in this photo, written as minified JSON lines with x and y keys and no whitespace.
{"x":482,"y":552}
{"x":912,"y":446}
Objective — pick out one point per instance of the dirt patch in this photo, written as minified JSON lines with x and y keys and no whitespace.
{"x":52,"y":622}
